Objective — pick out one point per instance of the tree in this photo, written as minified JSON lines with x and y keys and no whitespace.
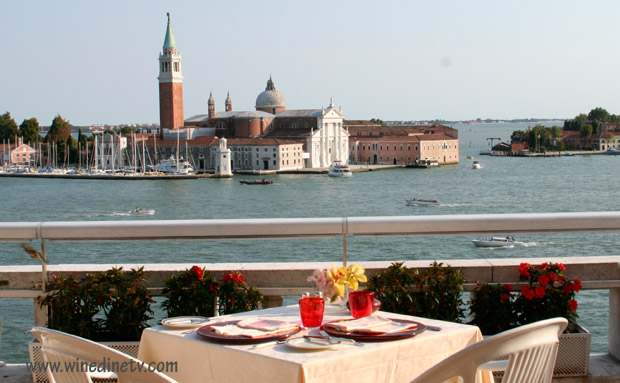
{"x":59,"y":132}
{"x":518,"y":136}
{"x":599,"y":114}
{"x":8,"y":127}
{"x":30,"y":130}
{"x":586,"y":133}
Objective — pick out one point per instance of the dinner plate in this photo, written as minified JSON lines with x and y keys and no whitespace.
{"x":377,"y":337}
{"x":209,"y":334}
{"x":185,"y":322}
{"x":306,"y":344}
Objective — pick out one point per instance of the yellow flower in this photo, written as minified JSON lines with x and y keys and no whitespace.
{"x":355,"y":275}
{"x":338,"y":277}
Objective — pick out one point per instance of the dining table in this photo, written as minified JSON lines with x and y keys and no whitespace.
{"x":199,"y":359}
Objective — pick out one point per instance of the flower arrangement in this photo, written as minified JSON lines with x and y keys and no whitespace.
{"x":195,"y":292}
{"x":334,"y":283}
{"x":548,"y":294}
{"x":236,"y":296}
{"x":112,"y":305}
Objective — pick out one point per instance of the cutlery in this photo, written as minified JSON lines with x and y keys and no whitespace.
{"x":433,"y":328}
{"x":267,"y":344}
{"x":340,"y":340}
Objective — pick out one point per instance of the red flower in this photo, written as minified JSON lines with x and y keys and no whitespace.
{"x":540,"y":291}
{"x":544,"y":280}
{"x":552,"y":277}
{"x":508,"y":287}
{"x":572,"y":305}
{"x":523,"y":269}
{"x":560,"y":266}
{"x":197,"y":272}
{"x":527,"y":293}
{"x":567,"y":289}
{"x":576,"y":285}
{"x":213,"y":288}
{"x":505,"y":298}
{"x":53,"y":276}
{"x":561,"y":279}
{"x":234,"y":277}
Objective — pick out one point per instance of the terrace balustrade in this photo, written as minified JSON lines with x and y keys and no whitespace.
{"x":276,"y":280}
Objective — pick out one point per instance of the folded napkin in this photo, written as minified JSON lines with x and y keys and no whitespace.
{"x":359,"y":324}
{"x":266,"y":324}
{"x":372,"y":325}
{"x":251,"y":328}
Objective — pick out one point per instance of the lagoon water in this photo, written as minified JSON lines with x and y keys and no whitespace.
{"x":503,"y":185}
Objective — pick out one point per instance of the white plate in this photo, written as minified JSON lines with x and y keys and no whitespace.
{"x":306,"y":344}
{"x":185,"y":322}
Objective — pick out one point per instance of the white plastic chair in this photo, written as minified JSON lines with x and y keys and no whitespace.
{"x":62,"y":349}
{"x":531,"y":352}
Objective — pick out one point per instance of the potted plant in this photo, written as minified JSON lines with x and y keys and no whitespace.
{"x":112,"y":306}
{"x":191,"y":293}
{"x":548,"y":293}
{"x":196,"y":292}
{"x":435,"y":292}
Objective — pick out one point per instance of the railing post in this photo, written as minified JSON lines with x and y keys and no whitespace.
{"x":614,"y":323}
{"x":40,"y":313}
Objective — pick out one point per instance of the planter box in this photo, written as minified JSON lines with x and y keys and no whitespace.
{"x":573,"y":354}
{"x":36,"y":358}
{"x":573,"y":357}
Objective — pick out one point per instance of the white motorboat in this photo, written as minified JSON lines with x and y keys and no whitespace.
{"x":421,"y":202}
{"x":496,"y":242}
{"x":476,"y":165}
{"x":338,"y":169}
{"x":141,"y":212}
{"x":174,"y":166}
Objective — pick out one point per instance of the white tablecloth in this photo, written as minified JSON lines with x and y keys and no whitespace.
{"x":199,"y":360}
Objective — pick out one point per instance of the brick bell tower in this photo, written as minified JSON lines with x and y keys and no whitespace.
{"x":170,"y":84}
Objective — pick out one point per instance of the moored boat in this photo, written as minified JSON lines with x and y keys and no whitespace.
{"x":421,"y":202}
{"x":338,"y":169}
{"x":257,"y":182}
{"x":496,"y":242}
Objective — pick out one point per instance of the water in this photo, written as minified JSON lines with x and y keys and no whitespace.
{"x":503,"y":185}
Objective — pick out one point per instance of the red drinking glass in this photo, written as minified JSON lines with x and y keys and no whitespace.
{"x":361,"y":302}
{"x":311,"y":310}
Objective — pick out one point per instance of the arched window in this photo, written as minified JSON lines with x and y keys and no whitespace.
{"x":220,"y":125}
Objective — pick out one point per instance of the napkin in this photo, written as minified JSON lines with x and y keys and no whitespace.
{"x":359,"y":324}
{"x":266,"y":324}
{"x":394,"y":327}
{"x":272,"y":329}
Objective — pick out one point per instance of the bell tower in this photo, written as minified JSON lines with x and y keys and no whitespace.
{"x":170,"y":84}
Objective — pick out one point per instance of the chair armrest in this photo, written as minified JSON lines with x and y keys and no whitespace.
{"x":494,"y":365}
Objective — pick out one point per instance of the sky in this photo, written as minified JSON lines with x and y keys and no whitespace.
{"x":96,"y":62}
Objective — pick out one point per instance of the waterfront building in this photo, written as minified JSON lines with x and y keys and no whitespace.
{"x":18,"y":154}
{"x":373,"y":143}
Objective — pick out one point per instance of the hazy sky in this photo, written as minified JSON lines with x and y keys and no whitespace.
{"x":96,"y":62}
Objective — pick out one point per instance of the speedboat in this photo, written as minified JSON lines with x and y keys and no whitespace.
{"x":476,"y":165}
{"x":338,"y":169}
{"x":421,"y":202}
{"x":141,"y":212}
{"x":496,"y":242}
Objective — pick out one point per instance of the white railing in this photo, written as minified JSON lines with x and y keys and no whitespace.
{"x":590,"y":270}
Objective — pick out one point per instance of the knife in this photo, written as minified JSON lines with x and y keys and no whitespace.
{"x":338,"y":339}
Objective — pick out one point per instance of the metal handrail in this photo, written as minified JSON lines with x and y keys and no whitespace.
{"x":309,"y":227}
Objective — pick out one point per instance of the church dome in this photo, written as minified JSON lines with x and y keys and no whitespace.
{"x":270,"y":98}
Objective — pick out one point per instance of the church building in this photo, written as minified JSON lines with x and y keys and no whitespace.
{"x":293,"y":139}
